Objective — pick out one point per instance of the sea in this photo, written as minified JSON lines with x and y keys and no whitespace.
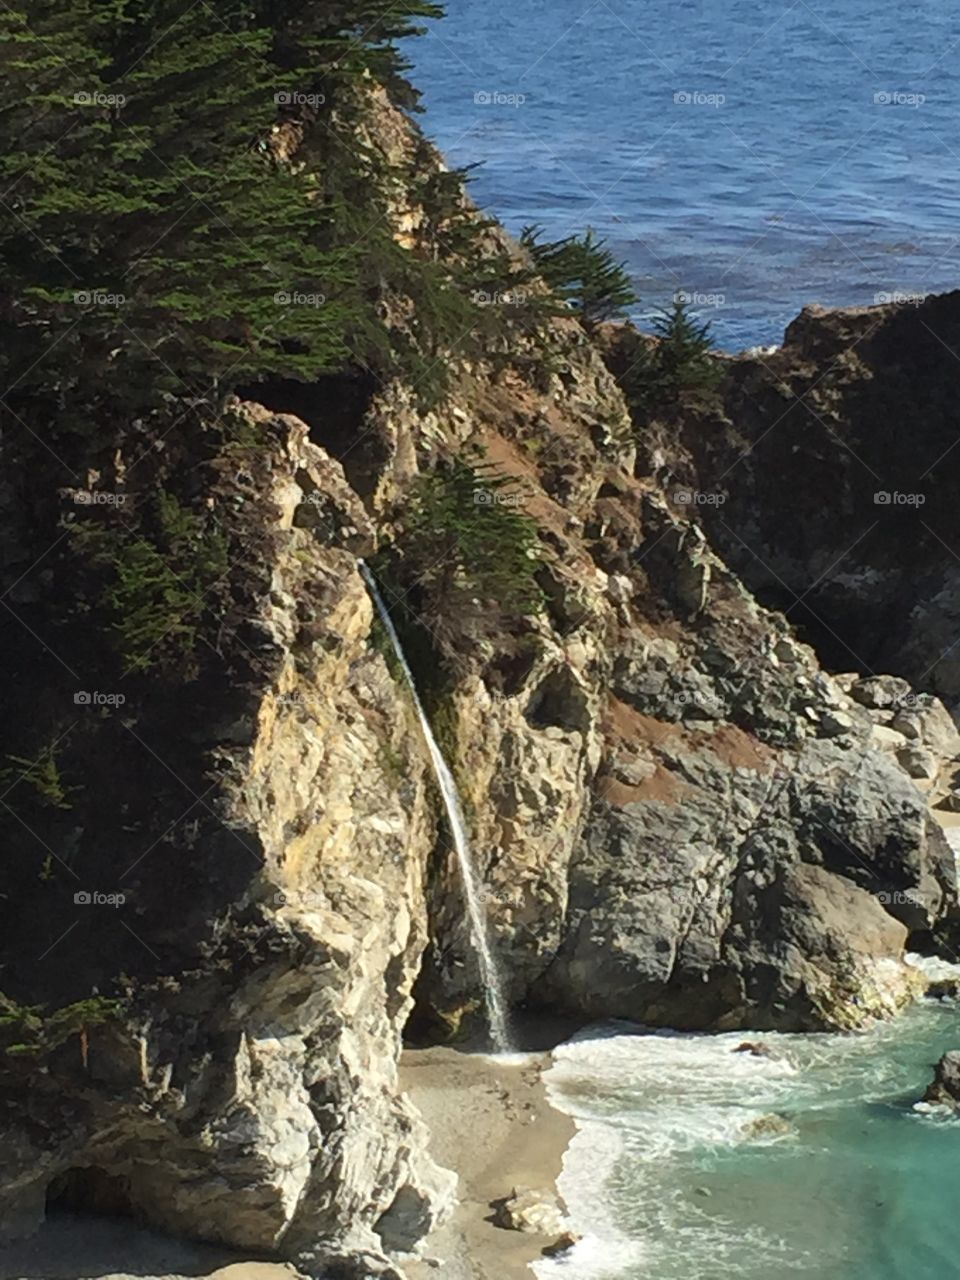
{"x":755,"y":155}
{"x":695,"y":1160}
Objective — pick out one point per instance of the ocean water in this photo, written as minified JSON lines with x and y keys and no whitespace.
{"x":756,"y":154}
{"x":672,"y":1176}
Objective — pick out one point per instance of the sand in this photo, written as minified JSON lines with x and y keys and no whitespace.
{"x":492,"y":1123}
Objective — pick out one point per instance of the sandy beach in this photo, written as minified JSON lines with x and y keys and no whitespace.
{"x":490,"y":1121}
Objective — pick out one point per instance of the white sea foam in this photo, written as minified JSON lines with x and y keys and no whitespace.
{"x":932,"y":967}
{"x":659,"y":1113}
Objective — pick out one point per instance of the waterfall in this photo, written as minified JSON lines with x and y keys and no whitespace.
{"x":489,"y":971}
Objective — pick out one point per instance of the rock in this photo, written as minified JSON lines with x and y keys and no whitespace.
{"x":930,"y":724}
{"x":944,"y":1090}
{"x":835,"y":723}
{"x":917,"y":762}
{"x":531,"y":1211}
{"x":755,"y":1049}
{"x":880,"y":691}
{"x":887,"y":739}
{"x":944,"y":989}
{"x":771,"y":1126}
{"x":563,"y":1244}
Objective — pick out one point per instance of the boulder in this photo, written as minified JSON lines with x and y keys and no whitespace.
{"x":944,"y":1089}
{"x":528,"y":1210}
{"x":880,"y":691}
{"x":918,"y":762}
{"x":563,"y":1244}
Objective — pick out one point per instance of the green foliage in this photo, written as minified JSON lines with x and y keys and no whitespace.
{"x":683,"y":361}
{"x":466,"y":542}
{"x":41,"y":773}
{"x":158,"y":582}
{"x":679,"y":364}
{"x":583,"y":272}
{"x":27,"y":1031}
{"x":158,"y":222}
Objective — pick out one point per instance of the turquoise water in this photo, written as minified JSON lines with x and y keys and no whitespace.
{"x":827,"y":173}
{"x":669,"y":1178}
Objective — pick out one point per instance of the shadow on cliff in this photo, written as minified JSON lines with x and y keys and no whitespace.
{"x":75,"y":1246}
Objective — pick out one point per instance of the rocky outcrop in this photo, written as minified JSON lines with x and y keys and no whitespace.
{"x":831,"y":467}
{"x":944,"y":1089}
{"x":249,"y":1094}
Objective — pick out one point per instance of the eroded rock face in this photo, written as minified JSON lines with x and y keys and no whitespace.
{"x":252,"y":1097}
{"x":834,"y":455}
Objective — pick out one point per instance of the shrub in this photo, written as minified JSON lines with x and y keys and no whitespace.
{"x":157,"y":581}
{"x":466,"y":543}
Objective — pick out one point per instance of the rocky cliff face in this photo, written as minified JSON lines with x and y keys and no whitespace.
{"x":677,"y":815}
{"x":835,"y":465}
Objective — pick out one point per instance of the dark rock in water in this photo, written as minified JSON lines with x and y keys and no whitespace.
{"x":944,"y":989}
{"x":944,"y":1090}
{"x":757,"y":1050}
{"x":562,"y":1244}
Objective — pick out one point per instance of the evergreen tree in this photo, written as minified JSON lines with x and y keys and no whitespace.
{"x":159,"y":227}
{"x":466,"y":541}
{"x":683,"y":361}
{"x":584,"y":273}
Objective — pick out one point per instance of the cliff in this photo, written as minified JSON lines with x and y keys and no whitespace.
{"x":678,"y":816}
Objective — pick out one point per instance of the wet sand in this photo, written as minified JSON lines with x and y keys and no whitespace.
{"x":492,"y":1123}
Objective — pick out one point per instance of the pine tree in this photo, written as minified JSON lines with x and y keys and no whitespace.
{"x":683,"y":361}
{"x":158,"y":226}
{"x":584,"y":273}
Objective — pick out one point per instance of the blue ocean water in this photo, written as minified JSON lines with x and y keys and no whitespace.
{"x":697,"y":1162}
{"x":756,"y":154}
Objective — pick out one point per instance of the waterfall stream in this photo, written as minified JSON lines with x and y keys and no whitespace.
{"x":496,"y":1006}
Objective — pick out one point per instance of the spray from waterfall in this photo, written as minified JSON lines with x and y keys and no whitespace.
{"x":489,"y":970}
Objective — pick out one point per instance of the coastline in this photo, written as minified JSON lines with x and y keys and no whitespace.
{"x":492,"y":1122}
